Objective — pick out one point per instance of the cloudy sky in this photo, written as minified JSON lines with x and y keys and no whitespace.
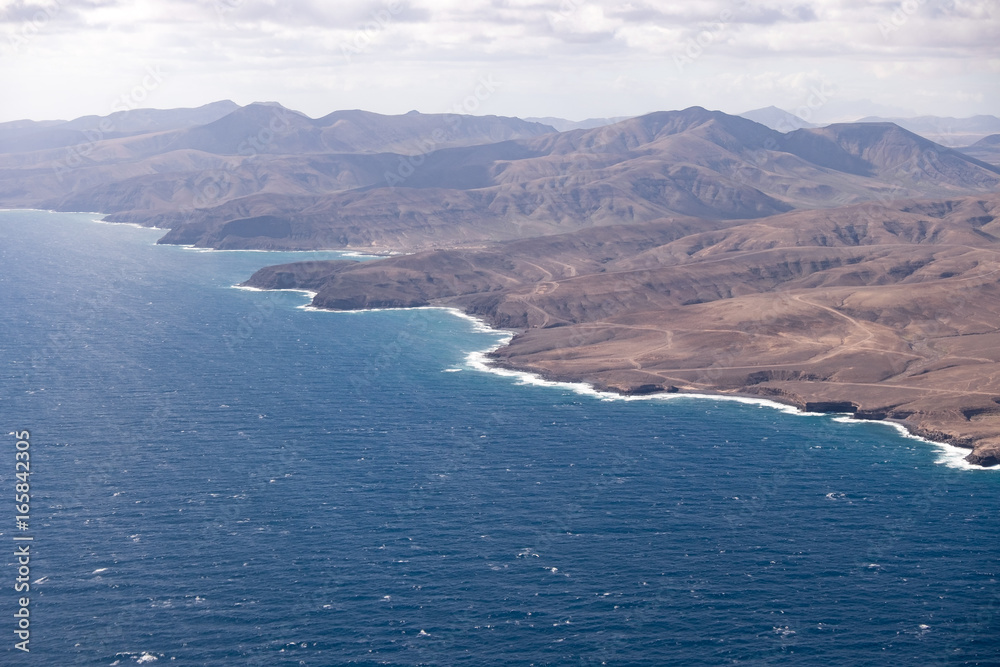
{"x":825,"y":60}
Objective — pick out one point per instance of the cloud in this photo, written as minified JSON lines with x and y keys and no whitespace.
{"x":381,"y":51}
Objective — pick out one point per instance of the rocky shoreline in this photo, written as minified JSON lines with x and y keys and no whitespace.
{"x":986,"y":455}
{"x":899,"y":322}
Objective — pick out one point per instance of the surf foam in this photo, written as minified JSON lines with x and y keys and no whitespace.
{"x":950,"y":455}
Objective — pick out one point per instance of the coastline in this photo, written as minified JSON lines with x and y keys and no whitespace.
{"x":103,"y":220}
{"x":343,"y":253}
{"x":128,"y":224}
{"x":950,"y":455}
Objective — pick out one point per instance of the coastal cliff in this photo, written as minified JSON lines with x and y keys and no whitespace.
{"x":890,"y":313}
{"x":852,"y":267}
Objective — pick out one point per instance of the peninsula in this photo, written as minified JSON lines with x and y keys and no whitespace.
{"x":890,"y":313}
{"x":850,"y":268}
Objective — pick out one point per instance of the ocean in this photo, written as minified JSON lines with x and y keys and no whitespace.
{"x":222,"y":477}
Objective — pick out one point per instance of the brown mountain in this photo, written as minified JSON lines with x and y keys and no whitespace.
{"x":986,"y":149}
{"x":270,"y":129}
{"x":260,"y":148}
{"x":944,"y":130}
{"x":850,"y":267}
{"x":331,"y":182}
{"x":27,"y":136}
{"x":882,"y":311}
{"x":693,"y":163}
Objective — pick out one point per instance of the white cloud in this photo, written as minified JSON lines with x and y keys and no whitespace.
{"x":59,"y":58}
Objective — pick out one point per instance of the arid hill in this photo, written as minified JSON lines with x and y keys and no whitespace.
{"x":944,"y":130}
{"x":692,"y":163}
{"x":27,"y":136}
{"x":882,"y":311}
{"x":986,"y":150}
{"x":776,"y":119}
{"x":851,"y":267}
{"x":177,"y":164}
{"x":267,"y":177}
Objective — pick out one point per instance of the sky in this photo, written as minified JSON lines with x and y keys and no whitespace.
{"x":826,"y":60}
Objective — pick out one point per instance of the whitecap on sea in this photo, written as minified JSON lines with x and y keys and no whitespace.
{"x":951,"y":456}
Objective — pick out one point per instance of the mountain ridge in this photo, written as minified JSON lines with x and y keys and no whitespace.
{"x":691,"y":163}
{"x":864,"y":311}
{"x":945,"y":130}
{"x":850,"y":266}
{"x":777,"y":119}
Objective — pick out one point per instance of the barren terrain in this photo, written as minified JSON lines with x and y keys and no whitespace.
{"x":847,"y":268}
{"x":883,"y":312}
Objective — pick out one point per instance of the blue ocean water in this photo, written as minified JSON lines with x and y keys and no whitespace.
{"x":220,"y":477}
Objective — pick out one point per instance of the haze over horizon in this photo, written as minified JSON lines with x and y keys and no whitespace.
{"x":826,"y":61}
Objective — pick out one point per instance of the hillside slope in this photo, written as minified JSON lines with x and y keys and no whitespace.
{"x":887,"y":313}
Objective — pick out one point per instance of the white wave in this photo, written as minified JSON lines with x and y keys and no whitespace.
{"x":951,"y":455}
{"x":49,"y":210}
{"x":99,"y":570}
{"x":191,"y":246}
{"x":128,"y":224}
{"x":311,"y":294}
{"x":314,"y":309}
{"x":339,"y":253}
{"x":97,"y":220}
{"x":954,"y":457}
{"x":479,"y":361}
{"x":479,"y":325}
{"x":354,"y":253}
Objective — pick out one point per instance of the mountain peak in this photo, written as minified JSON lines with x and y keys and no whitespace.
{"x":776,"y":119}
